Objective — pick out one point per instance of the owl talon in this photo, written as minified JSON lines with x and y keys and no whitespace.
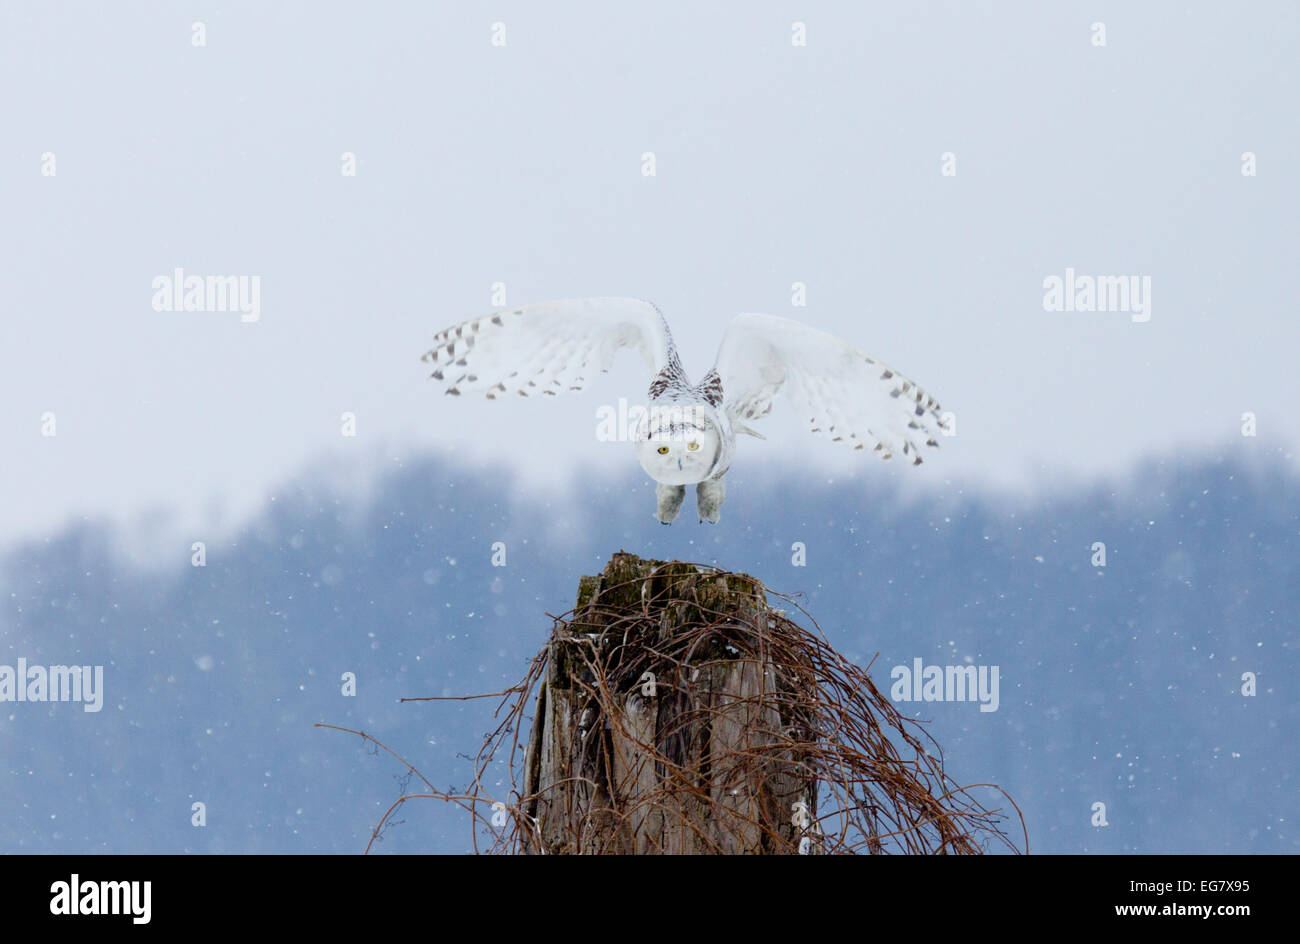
{"x":670,"y":502}
{"x":709,"y":496}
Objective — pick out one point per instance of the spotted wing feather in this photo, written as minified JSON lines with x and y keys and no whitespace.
{"x":847,"y":395}
{"x":546,"y":349}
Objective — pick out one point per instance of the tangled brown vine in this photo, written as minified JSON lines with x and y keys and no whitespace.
{"x":676,"y":710}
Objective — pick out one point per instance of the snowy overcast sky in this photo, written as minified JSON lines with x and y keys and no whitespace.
{"x":522,"y":163}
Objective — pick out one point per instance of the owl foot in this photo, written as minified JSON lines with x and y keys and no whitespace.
{"x":709,"y":496}
{"x":670,"y":501}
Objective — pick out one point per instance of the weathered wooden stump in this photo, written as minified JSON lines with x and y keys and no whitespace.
{"x":664,"y":725}
{"x":677,"y":712}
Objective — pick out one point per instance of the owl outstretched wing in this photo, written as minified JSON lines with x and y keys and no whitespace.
{"x":546,"y":348}
{"x":848,"y":395}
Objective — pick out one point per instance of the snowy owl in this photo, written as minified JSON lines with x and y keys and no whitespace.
{"x":687,"y":435}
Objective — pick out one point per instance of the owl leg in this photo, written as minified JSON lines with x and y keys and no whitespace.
{"x":670,"y":501}
{"x":709,"y":496}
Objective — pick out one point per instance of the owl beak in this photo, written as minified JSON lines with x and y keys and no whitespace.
{"x":679,"y":465}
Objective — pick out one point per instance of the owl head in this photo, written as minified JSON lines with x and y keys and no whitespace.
{"x":678,"y":445}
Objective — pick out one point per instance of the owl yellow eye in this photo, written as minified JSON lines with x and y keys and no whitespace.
{"x":692,"y":446}
{"x":663,"y":450}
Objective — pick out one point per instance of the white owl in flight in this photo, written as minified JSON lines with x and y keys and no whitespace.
{"x":687,"y":436}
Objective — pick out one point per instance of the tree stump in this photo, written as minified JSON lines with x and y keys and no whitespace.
{"x":677,"y":712}
{"x":662,"y":725}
